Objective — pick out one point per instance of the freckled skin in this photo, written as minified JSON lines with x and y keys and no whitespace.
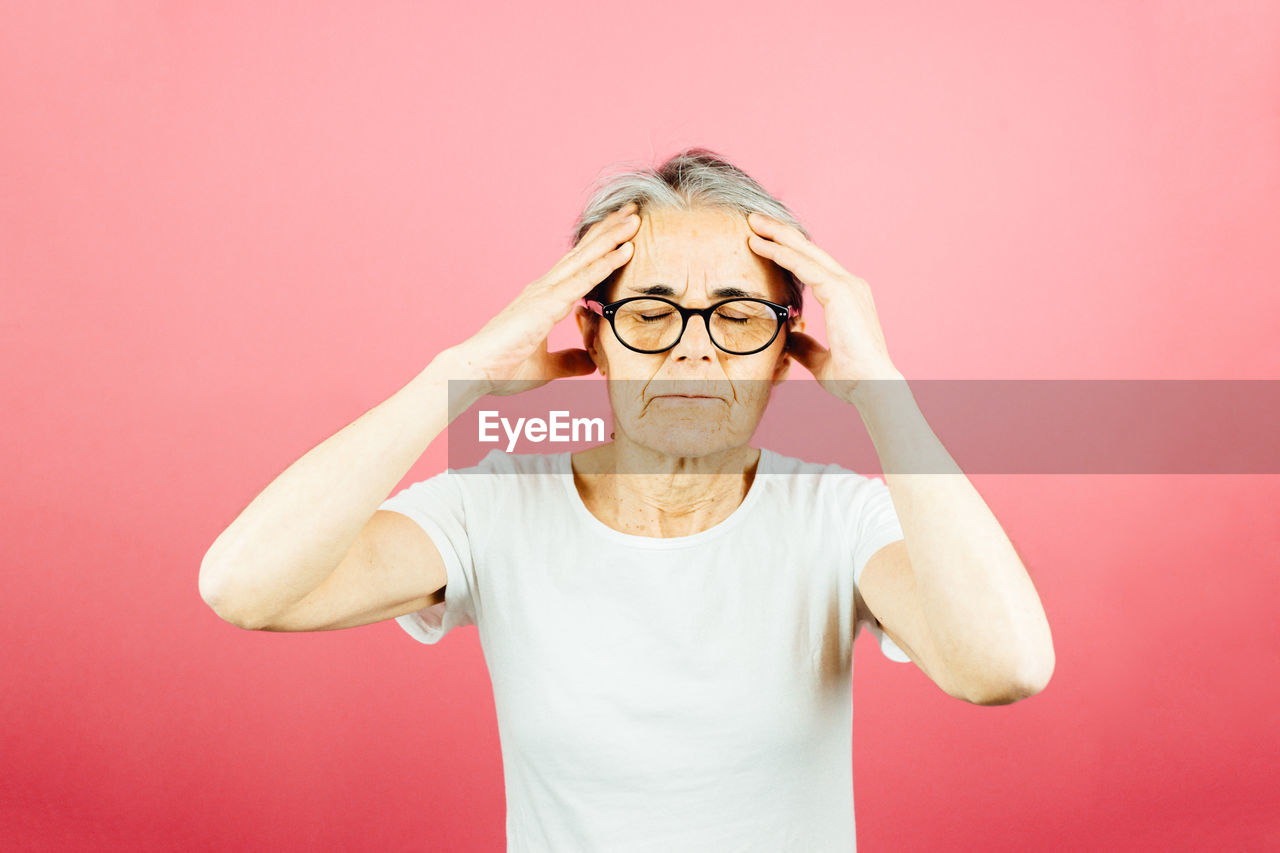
{"x":694,"y":253}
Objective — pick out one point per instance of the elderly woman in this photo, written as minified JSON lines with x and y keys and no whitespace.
{"x":668,"y":618}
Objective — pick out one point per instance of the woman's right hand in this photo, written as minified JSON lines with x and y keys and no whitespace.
{"x":509,"y":353}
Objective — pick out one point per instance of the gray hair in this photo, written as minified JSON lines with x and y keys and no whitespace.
{"x":693,"y":178}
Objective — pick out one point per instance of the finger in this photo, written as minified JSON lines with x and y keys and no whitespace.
{"x":799,"y":343}
{"x":606,"y":234}
{"x":806,"y":268}
{"x":579,"y":283}
{"x":557,"y":297}
{"x":570,"y":362}
{"x":593,"y":260}
{"x":601,"y":238}
{"x":608,"y":219}
{"x":807,"y":350}
{"x":791,"y":237}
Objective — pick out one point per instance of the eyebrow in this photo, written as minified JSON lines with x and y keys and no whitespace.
{"x":667,"y":290}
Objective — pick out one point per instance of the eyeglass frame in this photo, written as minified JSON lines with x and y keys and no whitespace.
{"x":782,"y":313}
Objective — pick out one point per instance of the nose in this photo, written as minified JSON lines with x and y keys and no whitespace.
{"x":695,"y":343}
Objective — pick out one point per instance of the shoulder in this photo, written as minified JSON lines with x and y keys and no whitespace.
{"x":499,"y":462}
{"x":773,"y":462}
{"x":815,"y":487}
{"x":500,"y":477}
{"x":801,"y":473}
{"x":501,"y":485}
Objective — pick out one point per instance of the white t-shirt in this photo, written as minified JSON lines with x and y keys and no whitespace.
{"x":690,"y":693}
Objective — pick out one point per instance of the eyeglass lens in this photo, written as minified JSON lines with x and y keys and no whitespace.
{"x":739,"y":326}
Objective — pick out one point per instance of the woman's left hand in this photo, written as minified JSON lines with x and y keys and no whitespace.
{"x":858,"y":349}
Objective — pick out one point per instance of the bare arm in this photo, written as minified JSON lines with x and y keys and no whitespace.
{"x":311,"y":552}
{"x":954,"y":594}
{"x":293,"y":535}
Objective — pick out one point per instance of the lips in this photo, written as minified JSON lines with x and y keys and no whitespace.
{"x":690,"y":389}
{"x":687,"y":397}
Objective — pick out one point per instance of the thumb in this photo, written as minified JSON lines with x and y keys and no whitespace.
{"x":570,"y":362}
{"x":807,"y":351}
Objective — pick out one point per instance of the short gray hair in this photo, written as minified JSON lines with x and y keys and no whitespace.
{"x":694,"y":178}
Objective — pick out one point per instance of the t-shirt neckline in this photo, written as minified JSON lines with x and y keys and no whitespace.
{"x":564,"y":468}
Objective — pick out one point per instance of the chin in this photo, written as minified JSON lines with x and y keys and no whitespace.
{"x":686,"y":439}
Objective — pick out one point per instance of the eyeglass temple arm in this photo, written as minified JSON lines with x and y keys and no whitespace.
{"x":597,"y":308}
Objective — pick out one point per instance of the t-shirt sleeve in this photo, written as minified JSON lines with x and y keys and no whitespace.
{"x":875,"y":526}
{"x":436,"y":505}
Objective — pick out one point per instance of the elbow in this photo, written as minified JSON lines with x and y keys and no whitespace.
{"x":216,"y":592}
{"x":1019,"y":683}
{"x":1037,"y":678}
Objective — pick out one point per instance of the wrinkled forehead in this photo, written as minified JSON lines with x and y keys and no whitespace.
{"x":697,"y":254}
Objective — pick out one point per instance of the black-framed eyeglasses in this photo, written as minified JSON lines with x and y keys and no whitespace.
{"x":651,"y":324}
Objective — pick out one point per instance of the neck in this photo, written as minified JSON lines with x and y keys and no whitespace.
{"x":668,"y":495}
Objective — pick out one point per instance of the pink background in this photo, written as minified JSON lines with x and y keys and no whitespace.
{"x":227,"y":230}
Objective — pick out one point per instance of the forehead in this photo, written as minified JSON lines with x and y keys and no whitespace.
{"x":694,"y":252}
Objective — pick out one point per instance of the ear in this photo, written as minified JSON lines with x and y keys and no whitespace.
{"x":783,"y":367}
{"x":589,"y":326}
